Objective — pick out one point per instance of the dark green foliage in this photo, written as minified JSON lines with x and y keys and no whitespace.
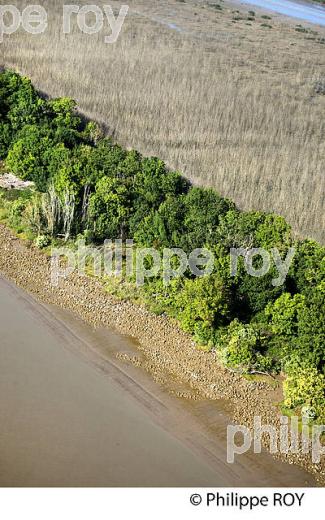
{"x":115,"y":193}
{"x":203,"y":210}
{"x":109,"y":209}
{"x":164,"y":227}
{"x":309,"y":266}
{"x":19,"y":106}
{"x":29,"y":155}
{"x":254,"y":229}
{"x":254,"y":293}
{"x":153,"y":183}
{"x":20,"y":103}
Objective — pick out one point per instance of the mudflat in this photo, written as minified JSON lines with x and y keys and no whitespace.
{"x":73,"y":415}
{"x":65,"y":423}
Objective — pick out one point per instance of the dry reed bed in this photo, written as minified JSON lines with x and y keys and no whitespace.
{"x":231,"y":105}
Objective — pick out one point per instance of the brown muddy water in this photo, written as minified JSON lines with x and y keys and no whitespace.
{"x":72,"y":414}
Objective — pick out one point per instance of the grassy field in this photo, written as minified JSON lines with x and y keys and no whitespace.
{"x":230,"y":97}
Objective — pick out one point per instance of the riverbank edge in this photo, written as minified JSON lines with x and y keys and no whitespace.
{"x":167,"y":349}
{"x":286,"y":19}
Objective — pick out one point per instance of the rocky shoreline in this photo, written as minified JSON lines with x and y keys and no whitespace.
{"x":167,"y":349}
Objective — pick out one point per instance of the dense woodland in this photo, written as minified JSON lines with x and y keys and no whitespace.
{"x":87,"y":185}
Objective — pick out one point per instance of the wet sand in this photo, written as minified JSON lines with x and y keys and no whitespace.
{"x":72,"y":414}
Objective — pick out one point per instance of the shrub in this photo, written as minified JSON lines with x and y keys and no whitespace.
{"x":242,"y":347}
{"x":42,"y":241}
{"x":305,"y":386}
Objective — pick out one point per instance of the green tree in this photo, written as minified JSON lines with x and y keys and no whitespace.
{"x":109,"y":209}
{"x":203,"y":208}
{"x":164,"y":227}
{"x":20,"y":105}
{"x":203,"y":302}
{"x":152,"y":185}
{"x":254,"y":229}
{"x":244,"y":347}
{"x":298,"y":328}
{"x":308,"y":269}
{"x":23,"y":105}
{"x":305,"y":386}
{"x":29,"y":155}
